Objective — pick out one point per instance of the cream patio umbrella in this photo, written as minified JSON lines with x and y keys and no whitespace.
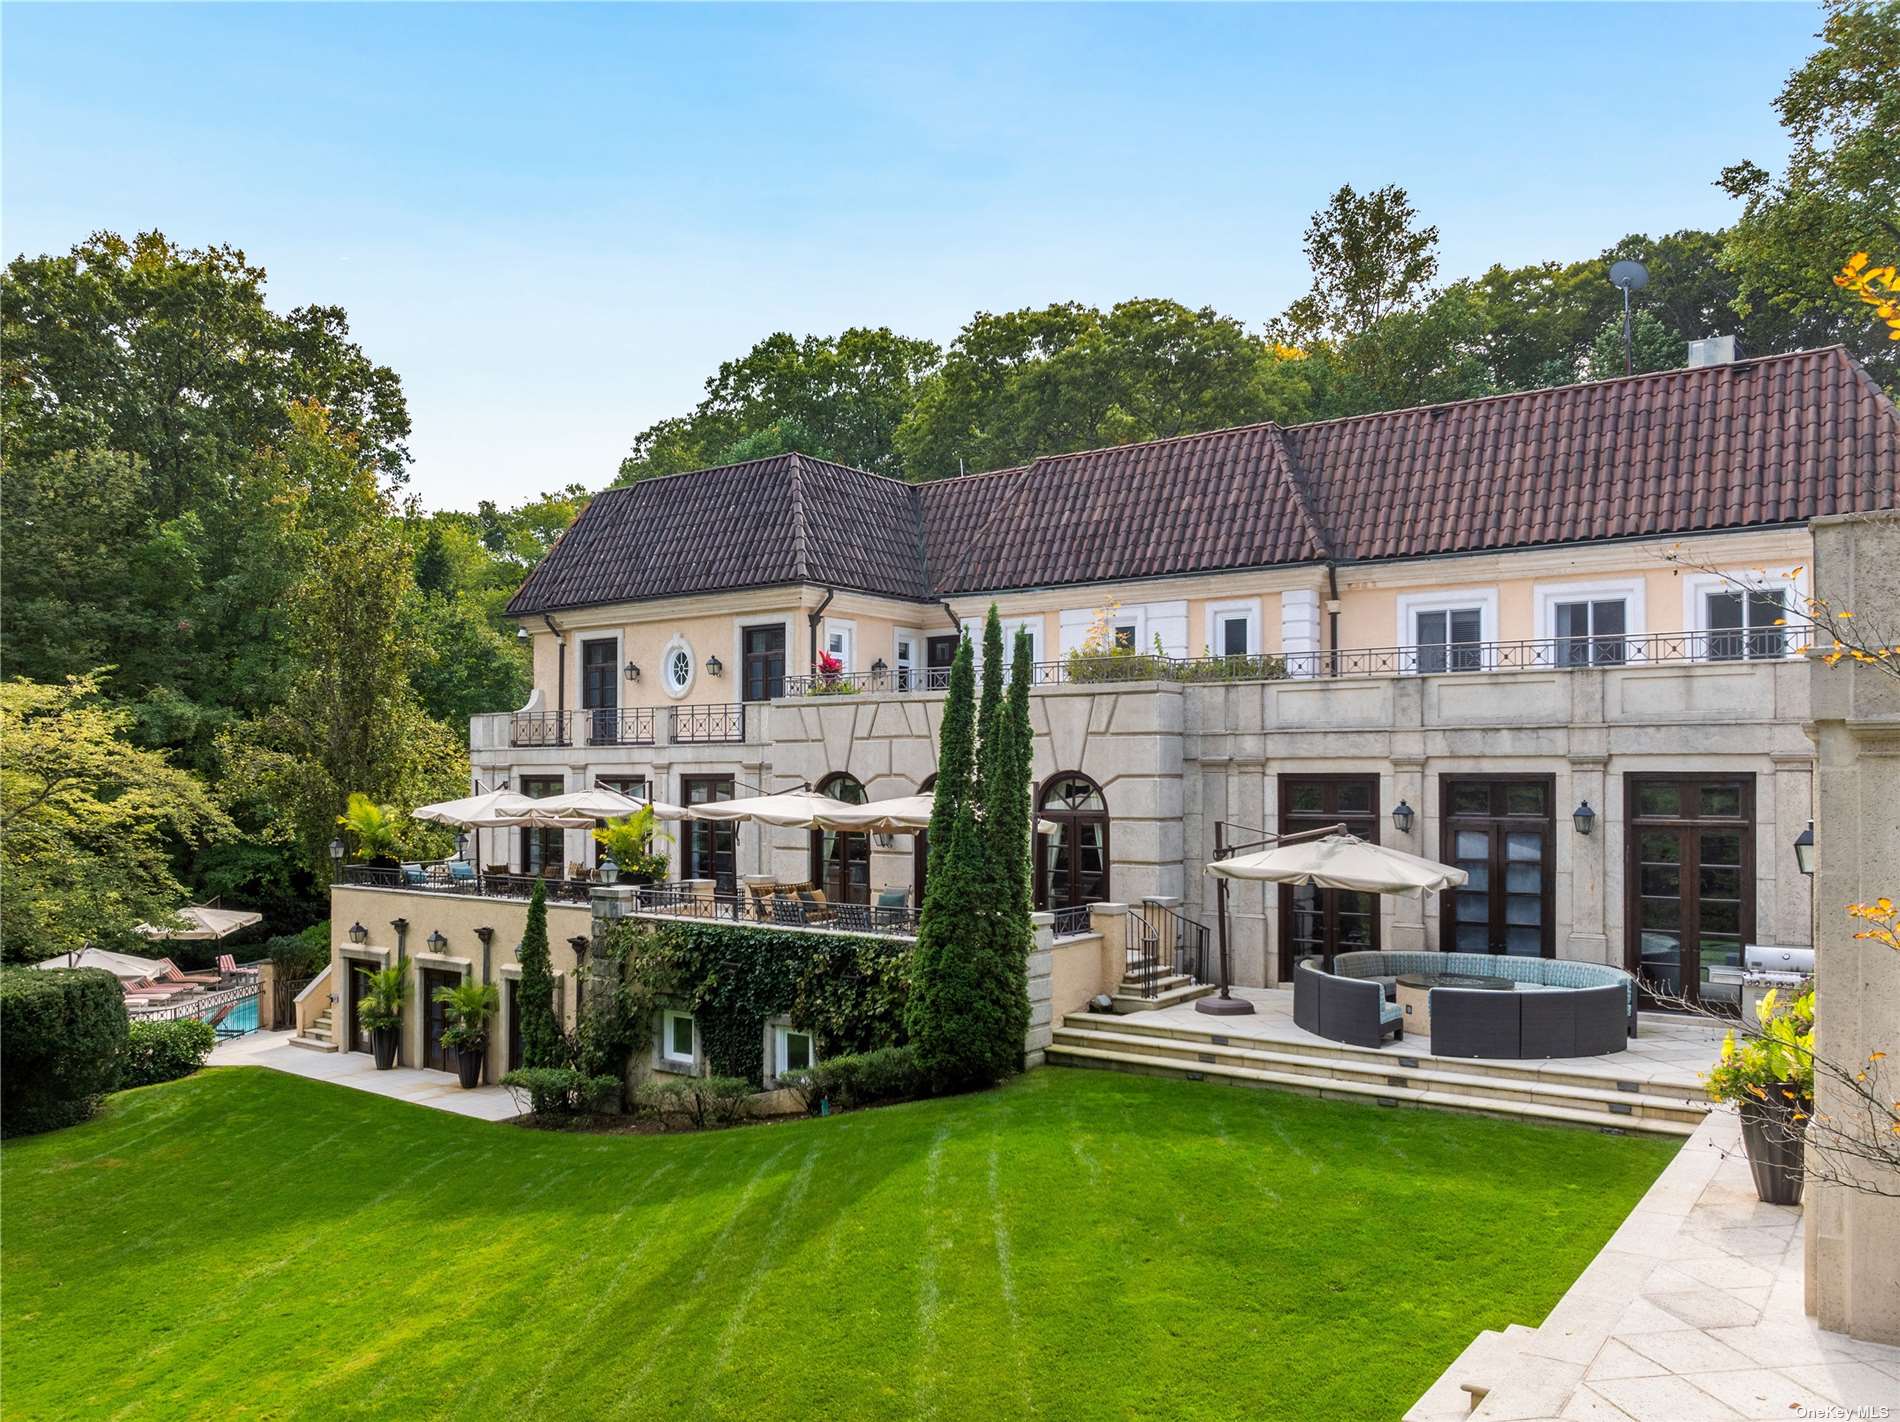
{"x":905,"y":814}
{"x":1341,"y":861}
{"x":600,"y":803}
{"x":788,"y":809}
{"x":470,"y":808}
{"x":203,"y":924}
{"x":1329,"y":858}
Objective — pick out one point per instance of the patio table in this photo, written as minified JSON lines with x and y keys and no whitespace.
{"x":1415,"y":993}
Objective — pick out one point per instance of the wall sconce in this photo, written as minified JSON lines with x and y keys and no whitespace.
{"x":608,"y":870}
{"x":359,"y":935}
{"x":1584,"y":818}
{"x":633,"y":672}
{"x":1402,"y":817}
{"x":715,"y":667}
{"x":437,"y":942}
{"x":884,"y":841}
{"x":1804,"y":850}
{"x":878,"y":668}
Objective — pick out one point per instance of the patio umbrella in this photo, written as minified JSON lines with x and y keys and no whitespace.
{"x":1341,"y":861}
{"x":120,"y":965}
{"x":906,"y":814}
{"x":601,"y":803}
{"x":471,"y":808}
{"x":789,"y":809}
{"x":203,"y":924}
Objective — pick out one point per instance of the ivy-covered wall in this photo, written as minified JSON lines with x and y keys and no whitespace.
{"x":848,"y":990}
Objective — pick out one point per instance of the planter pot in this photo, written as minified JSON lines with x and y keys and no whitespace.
{"x":1775,"y":1149}
{"x":468,"y":1067}
{"x":382,"y":1041}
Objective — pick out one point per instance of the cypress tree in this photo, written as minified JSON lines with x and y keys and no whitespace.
{"x":1007,"y":823}
{"x":990,"y":709}
{"x":541,"y":1044}
{"x":956,"y":759}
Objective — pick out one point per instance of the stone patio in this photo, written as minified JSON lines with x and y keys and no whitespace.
{"x":1691,"y":1313}
{"x":435,"y":1089}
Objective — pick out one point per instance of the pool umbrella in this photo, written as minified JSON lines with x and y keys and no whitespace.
{"x":1341,"y":861}
{"x":906,"y":814}
{"x":600,"y":803}
{"x":204,"y":924}
{"x":789,"y":809}
{"x":1328,"y":857}
{"x":470,"y":808}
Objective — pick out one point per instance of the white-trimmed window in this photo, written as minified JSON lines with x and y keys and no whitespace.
{"x":1233,"y":628}
{"x":679,"y":1045}
{"x":676,"y":667}
{"x":1031,"y":625}
{"x":793,"y":1049}
{"x":1591,"y":624}
{"x":1447,"y":631}
{"x":841,"y":640}
{"x":1740,"y":617}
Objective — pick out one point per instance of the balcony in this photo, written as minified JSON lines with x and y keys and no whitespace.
{"x":1546,"y":654}
{"x":631,"y":727}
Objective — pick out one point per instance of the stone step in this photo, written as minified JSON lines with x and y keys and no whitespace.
{"x":1617,"y":1106}
{"x":1131,"y":999}
{"x":312,"y":1044}
{"x":1404,"y":1057}
{"x":1461,"y":1386}
{"x":1334,"y":1088}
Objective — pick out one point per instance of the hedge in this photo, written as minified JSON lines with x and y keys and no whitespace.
{"x":62,"y":1033}
{"x":165,"y":1051}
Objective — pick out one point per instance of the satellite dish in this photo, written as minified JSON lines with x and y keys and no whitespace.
{"x":1630,"y":276}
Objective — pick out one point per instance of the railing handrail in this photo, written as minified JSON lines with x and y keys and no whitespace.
{"x":1416,"y":659}
{"x":676,"y":899}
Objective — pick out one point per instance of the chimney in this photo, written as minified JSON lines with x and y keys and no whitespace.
{"x":1716,"y":350}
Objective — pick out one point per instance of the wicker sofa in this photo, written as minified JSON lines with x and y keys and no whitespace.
{"x":1560,"y":1008}
{"x":1349,"y":1010}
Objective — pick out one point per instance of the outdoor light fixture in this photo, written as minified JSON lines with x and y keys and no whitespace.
{"x":461,"y":845}
{"x":1804,"y":850}
{"x":1402,"y":817}
{"x":608,"y":870}
{"x":521,"y":634}
{"x":336,"y":851}
{"x":633,"y":672}
{"x":359,"y":935}
{"x":878,"y":668}
{"x":437,"y":942}
{"x":1584,"y":818}
{"x":715,"y":667}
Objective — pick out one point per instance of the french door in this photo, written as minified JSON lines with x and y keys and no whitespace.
{"x":711,"y":848}
{"x":542,"y":849}
{"x":1072,"y":861}
{"x":1327,"y":921}
{"x":358,"y":1035}
{"x":435,"y":1019}
{"x":1500,"y":830}
{"x":600,"y":689}
{"x":762,"y":652}
{"x":1691,"y":875}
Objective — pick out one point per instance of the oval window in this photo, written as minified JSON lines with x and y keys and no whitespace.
{"x":676,"y":667}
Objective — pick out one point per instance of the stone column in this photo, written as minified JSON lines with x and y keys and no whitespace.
{"x":1041,"y":970}
{"x":1588,"y":939}
{"x":1853,"y":1237}
{"x":1405,"y":926}
{"x":1111,"y":922}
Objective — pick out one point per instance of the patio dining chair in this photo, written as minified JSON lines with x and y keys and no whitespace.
{"x":817,"y":908}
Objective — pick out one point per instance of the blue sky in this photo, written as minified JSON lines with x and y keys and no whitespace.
{"x":555,"y":221}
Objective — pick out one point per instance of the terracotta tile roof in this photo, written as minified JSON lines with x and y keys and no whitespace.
{"x":1774,"y":440}
{"x":786,"y":519}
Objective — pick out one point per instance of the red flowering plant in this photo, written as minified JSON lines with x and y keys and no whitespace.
{"x":830,"y":679}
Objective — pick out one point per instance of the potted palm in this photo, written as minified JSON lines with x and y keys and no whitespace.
{"x":470,"y":1004}
{"x":384,"y":993}
{"x":374,"y":829}
{"x":629,"y":842}
{"x":1770,"y":1079}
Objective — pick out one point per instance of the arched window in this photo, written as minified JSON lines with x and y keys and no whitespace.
{"x":920,"y":850}
{"x":841,"y":862}
{"x":1072,"y":862}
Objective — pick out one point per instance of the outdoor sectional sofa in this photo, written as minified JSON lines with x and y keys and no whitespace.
{"x":1560,"y":1008}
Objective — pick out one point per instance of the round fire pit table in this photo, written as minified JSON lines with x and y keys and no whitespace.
{"x":1415,"y":993}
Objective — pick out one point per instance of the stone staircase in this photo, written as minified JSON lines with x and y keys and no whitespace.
{"x":322,"y":1034}
{"x":1542,"y":1091}
{"x":1168,"y":989}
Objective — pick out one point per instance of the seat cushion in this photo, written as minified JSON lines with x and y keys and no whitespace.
{"x":1390,"y":1012}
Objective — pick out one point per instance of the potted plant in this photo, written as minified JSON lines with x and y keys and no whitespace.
{"x":470,"y":1005}
{"x":385,"y":992}
{"x":629,"y":841}
{"x":374,"y":828}
{"x":1770,"y":1078}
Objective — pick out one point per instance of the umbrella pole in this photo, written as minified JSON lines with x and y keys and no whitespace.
{"x":1225,"y":1004}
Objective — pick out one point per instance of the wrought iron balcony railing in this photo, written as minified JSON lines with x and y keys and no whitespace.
{"x":613,"y":726}
{"x":701,"y":725}
{"x":1550,"y":653}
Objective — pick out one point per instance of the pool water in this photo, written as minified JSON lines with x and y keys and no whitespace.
{"x":243,"y":1019}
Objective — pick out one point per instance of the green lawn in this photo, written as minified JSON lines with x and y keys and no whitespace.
{"x":1075,"y":1245}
